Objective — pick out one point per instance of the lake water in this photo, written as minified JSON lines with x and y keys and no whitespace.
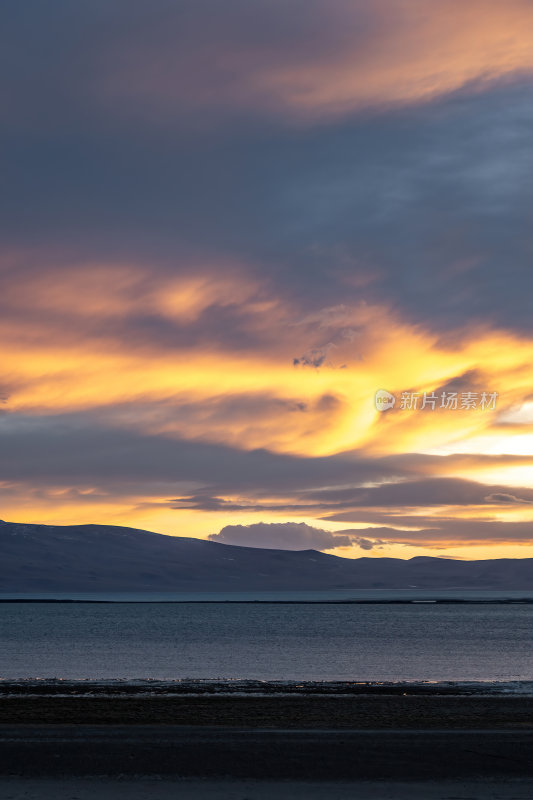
{"x":266,"y":641}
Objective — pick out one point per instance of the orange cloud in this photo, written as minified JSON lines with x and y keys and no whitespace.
{"x":70,"y":348}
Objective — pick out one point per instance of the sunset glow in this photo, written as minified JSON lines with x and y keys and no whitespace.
{"x":217,"y":248}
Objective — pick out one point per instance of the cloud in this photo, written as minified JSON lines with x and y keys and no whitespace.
{"x":399,"y":496}
{"x":280,"y":535}
{"x":504,"y":497}
{"x":95,"y":467}
{"x":407,"y":210}
{"x":419,"y":493}
{"x":439,"y":531}
{"x":366,"y":544}
{"x":162,"y":64}
{"x":86,"y":450}
{"x":154,"y":302}
{"x":314,"y":358}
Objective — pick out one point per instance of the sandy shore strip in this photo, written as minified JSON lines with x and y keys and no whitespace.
{"x":184,"y":686}
{"x":269,"y":704}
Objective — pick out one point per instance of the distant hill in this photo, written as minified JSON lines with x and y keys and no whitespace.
{"x":103,"y":558}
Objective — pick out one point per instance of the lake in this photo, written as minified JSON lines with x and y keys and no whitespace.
{"x":266,"y":641}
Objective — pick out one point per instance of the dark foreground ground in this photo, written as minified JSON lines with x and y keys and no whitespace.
{"x":365,"y":747}
{"x":297,"y":711}
{"x":183,"y":789}
{"x":242,"y":753}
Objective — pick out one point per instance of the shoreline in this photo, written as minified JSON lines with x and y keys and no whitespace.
{"x":150,"y":687}
{"x":339,"y":602}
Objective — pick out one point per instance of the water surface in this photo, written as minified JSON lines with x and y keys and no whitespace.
{"x":266,"y":641}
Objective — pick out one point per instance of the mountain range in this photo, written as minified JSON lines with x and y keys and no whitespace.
{"x":103,"y":558}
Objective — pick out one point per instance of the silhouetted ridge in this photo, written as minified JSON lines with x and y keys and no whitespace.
{"x":107,"y":558}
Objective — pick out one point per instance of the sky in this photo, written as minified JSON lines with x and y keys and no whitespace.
{"x":225,"y":226}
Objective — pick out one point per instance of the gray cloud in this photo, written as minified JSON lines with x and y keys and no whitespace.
{"x":425,"y":492}
{"x":504,"y":497}
{"x":281,"y":535}
{"x":386,"y":498}
{"x":366,"y":544}
{"x":314,"y":358}
{"x":88,"y":450}
{"x":426,"y":531}
{"x":121,"y":463}
{"x":85,"y":449}
{"x":418,"y":208}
